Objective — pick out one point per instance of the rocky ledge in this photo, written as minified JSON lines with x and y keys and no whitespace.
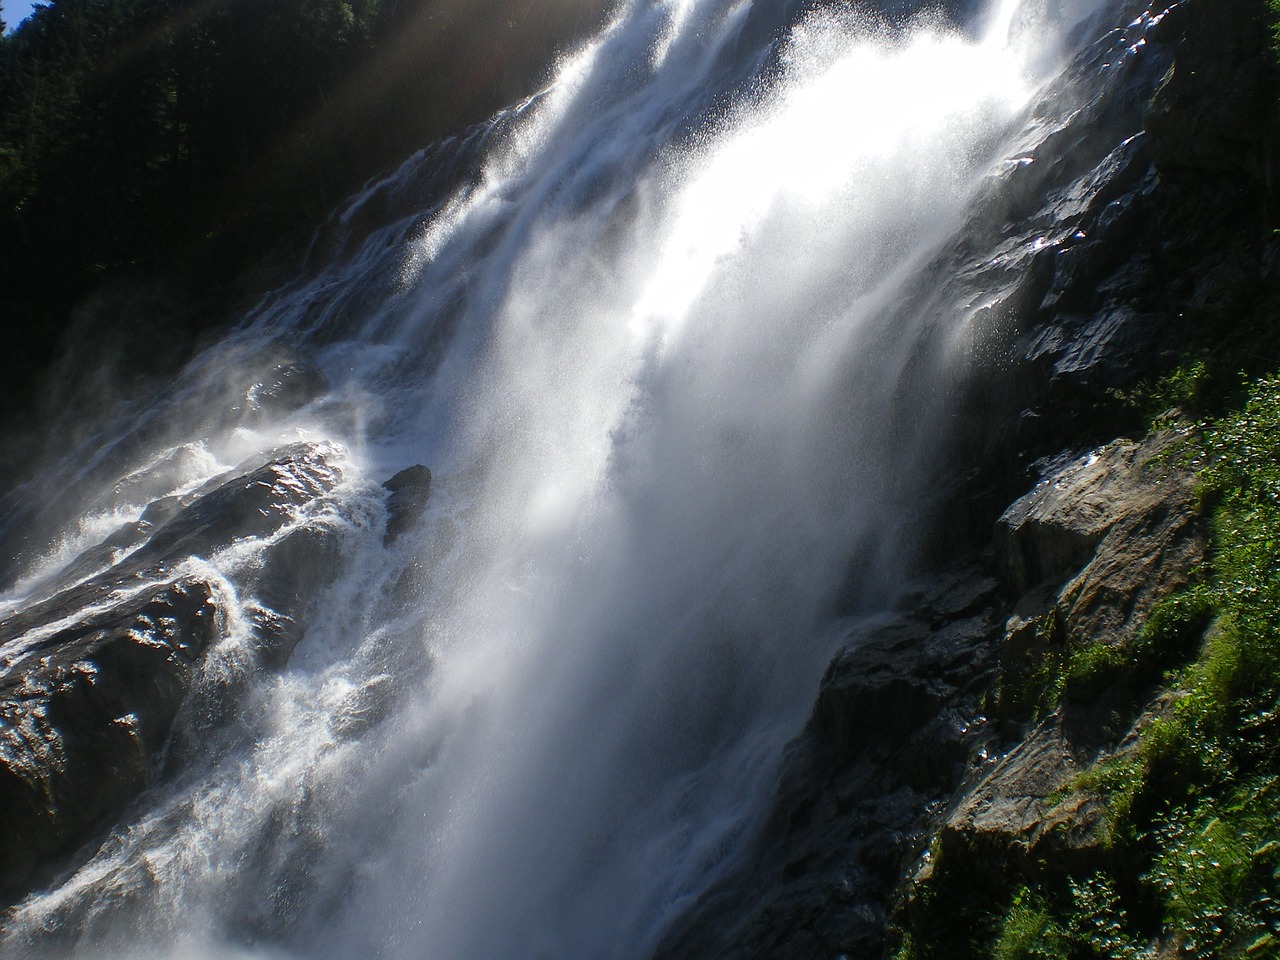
{"x":93,"y":676}
{"x":1087,"y":554}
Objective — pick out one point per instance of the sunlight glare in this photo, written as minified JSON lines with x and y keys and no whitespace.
{"x":842,"y":117}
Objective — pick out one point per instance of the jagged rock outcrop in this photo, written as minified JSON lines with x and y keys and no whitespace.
{"x":1118,"y":526}
{"x":255,"y":500}
{"x":84,"y":711}
{"x":93,"y":677}
{"x":1016,"y":807}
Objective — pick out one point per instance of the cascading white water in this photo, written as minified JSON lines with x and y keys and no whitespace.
{"x":647,"y":355}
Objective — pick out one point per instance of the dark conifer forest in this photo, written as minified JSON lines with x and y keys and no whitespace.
{"x":198,"y":139}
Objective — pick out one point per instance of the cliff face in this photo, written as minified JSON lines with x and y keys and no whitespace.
{"x":958,"y":757}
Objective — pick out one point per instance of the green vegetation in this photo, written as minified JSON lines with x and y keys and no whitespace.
{"x":1171,"y":633}
{"x":1029,"y":931}
{"x":1216,"y":873}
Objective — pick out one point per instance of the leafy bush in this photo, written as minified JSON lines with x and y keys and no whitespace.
{"x":1217,"y":873}
{"x":1098,"y":921}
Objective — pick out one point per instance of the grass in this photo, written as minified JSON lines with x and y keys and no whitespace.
{"x":1030,"y":931}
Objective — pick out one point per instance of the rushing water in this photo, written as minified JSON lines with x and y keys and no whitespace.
{"x":645,"y":330}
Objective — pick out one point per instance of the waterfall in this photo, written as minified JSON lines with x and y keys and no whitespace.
{"x":650,"y":331}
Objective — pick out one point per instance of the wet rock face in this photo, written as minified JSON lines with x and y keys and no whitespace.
{"x":257,"y":384}
{"x":409,"y":490}
{"x":254,"y":501}
{"x":84,"y":710}
{"x":253,"y":504}
{"x":1062,"y":288}
{"x":1212,"y":113}
{"x":94,"y":676}
{"x":895,"y":721}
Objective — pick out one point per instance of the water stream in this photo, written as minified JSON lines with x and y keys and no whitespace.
{"x":645,"y":329}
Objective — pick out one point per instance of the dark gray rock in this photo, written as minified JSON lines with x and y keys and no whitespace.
{"x":891,"y":732}
{"x":1109,"y":348}
{"x":1212,"y":113}
{"x":84,"y":711}
{"x":287,"y":386}
{"x":294,"y":569}
{"x":409,"y":490}
{"x":94,"y":676}
{"x":885,"y":686}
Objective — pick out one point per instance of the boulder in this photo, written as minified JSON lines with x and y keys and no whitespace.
{"x":94,"y":676}
{"x":1143,"y":558}
{"x":84,"y":711}
{"x":1022,"y":812}
{"x":409,"y":490}
{"x":1053,"y":531}
{"x":294,"y":569}
{"x":1089,"y":552}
